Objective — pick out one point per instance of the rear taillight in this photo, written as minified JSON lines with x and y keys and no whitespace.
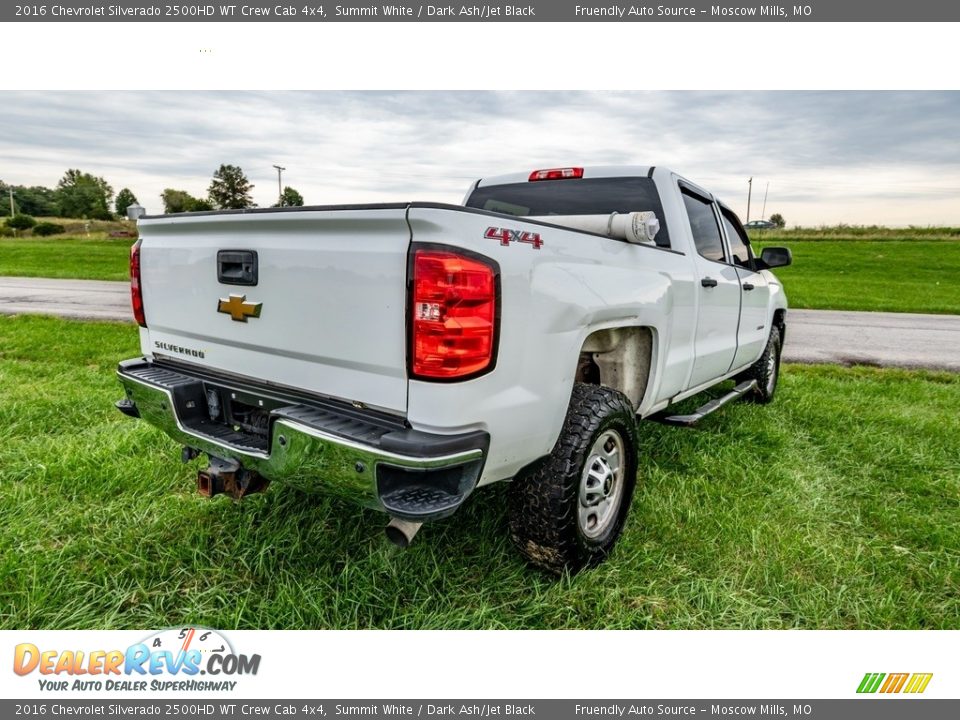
{"x":557,"y":174}
{"x":453,"y":315}
{"x":136,"y":292}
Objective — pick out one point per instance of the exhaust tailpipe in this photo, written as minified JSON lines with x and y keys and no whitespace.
{"x":401,"y":532}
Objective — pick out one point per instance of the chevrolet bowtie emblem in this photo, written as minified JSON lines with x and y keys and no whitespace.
{"x":238,"y":308}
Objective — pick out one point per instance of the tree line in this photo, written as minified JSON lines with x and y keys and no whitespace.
{"x":83,"y":195}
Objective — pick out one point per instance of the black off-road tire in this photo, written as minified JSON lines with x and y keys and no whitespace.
{"x":766,"y":371}
{"x":545,"y":501}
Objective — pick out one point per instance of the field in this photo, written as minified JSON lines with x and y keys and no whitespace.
{"x":836,"y":507}
{"x":893,"y":276}
{"x":77,"y":227}
{"x":874,"y":233}
{"x":882,"y":269}
{"x":59,"y":257}
{"x":897,"y":270}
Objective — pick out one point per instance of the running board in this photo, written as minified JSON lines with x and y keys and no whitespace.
{"x":704,"y":410}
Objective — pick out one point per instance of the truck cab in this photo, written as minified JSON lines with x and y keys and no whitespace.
{"x":724,"y":304}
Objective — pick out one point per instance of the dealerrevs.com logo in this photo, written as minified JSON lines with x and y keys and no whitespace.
{"x":891,"y":683}
{"x":172,"y":659}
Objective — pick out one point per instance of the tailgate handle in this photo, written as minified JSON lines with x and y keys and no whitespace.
{"x":237,"y":267}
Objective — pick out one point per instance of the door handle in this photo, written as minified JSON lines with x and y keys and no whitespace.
{"x":708,"y":282}
{"x":747,"y":286}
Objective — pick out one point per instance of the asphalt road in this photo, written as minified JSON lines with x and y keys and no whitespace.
{"x":80,"y":299}
{"x":813,"y":336}
{"x":908,"y":340}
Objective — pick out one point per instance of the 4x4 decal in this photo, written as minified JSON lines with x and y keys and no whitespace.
{"x":506,"y":236}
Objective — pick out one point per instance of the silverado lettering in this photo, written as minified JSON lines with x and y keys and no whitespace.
{"x":160,"y":345}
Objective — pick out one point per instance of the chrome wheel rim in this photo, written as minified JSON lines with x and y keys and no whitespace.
{"x":771,"y":373}
{"x":601,"y":485}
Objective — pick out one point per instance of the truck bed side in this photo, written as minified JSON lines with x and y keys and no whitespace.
{"x":553,"y":298}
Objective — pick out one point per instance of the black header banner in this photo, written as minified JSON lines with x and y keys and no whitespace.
{"x":217,"y":708}
{"x":520,"y":11}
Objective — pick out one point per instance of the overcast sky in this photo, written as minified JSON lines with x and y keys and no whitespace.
{"x":856,"y":157}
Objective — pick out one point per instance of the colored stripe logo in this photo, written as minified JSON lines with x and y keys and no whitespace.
{"x":894,"y":683}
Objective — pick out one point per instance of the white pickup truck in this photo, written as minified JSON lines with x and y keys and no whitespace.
{"x":402,"y":355}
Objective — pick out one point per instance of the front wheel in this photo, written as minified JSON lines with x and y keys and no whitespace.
{"x":568,"y":512}
{"x":766,"y":370}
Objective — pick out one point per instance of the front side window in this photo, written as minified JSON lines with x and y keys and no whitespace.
{"x":739,"y":244}
{"x":703,"y":225}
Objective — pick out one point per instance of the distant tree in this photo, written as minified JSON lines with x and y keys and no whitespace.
{"x":81,"y":195}
{"x":21,"y":222}
{"x":125,"y":198}
{"x":36,"y":200}
{"x":290,"y":198}
{"x":180,"y":201}
{"x":777,"y":219}
{"x":230,"y":189}
{"x":176,"y":201}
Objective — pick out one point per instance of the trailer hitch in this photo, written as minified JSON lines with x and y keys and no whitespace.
{"x":229,"y":478}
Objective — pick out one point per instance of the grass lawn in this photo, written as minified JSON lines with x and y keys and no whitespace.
{"x":880,"y":274}
{"x":60,"y":257}
{"x":836,"y":507}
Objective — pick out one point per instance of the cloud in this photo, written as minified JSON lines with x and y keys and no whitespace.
{"x":856,"y":157}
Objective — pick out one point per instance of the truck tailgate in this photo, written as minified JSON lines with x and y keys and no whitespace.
{"x":331,"y":285}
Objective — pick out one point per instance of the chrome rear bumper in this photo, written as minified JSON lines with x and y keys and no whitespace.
{"x":323,"y":447}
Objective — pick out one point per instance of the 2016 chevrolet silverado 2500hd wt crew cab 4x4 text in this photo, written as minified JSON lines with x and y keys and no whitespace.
{"x":403,"y":355}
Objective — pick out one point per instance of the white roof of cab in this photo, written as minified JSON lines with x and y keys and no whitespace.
{"x":596,"y":171}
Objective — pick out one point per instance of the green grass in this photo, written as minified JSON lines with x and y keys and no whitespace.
{"x":62,"y":257}
{"x":885,"y":275}
{"x":836,"y":507}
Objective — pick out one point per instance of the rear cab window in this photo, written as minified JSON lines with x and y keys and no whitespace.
{"x":585,"y":196}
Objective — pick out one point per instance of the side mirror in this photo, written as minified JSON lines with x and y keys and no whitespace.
{"x":772,"y":257}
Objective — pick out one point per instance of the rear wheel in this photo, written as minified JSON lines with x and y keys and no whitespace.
{"x":766,"y":370}
{"x":568,"y":512}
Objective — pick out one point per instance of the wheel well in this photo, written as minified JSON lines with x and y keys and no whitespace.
{"x":619,"y":358}
{"x":780,"y":322}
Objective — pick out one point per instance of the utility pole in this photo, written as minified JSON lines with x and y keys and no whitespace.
{"x":279,"y":184}
{"x":11,"y":200}
{"x":763,"y":214}
{"x":749,"y":193}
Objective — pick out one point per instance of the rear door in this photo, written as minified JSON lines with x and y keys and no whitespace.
{"x":755,"y":298}
{"x":719,"y":291}
{"x":325,"y":312}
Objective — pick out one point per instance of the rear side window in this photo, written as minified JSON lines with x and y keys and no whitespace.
{"x":703,"y":225}
{"x":587,"y":196}
{"x":739,"y":245}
